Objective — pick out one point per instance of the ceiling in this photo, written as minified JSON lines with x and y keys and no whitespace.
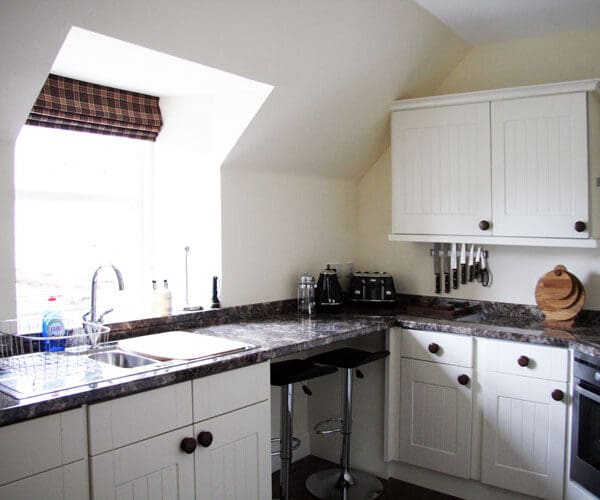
{"x":334,"y":66}
{"x":486,"y":21}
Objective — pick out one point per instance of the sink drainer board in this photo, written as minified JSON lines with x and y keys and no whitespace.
{"x":179,"y":344}
{"x":30,"y":367}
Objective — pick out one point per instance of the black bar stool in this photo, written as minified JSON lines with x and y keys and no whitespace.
{"x":284,"y":374}
{"x":344,"y":483}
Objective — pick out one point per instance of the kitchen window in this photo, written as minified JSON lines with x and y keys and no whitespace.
{"x":81,"y":200}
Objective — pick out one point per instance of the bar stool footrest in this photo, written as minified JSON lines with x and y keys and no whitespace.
{"x":318,"y":428}
{"x":296,"y":442}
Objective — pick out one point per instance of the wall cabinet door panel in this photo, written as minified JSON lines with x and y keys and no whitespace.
{"x":540,"y":166}
{"x":441,"y":181}
{"x":436,"y":416}
{"x":524,"y":435}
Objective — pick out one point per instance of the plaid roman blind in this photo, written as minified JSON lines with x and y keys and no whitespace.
{"x":75,"y":105}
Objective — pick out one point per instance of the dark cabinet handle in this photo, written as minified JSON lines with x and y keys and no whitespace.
{"x":463,"y":379}
{"x":433,"y":348}
{"x":188,"y":445}
{"x":558,"y":395}
{"x":580,"y":226}
{"x":523,"y":361}
{"x":484,"y":225}
{"x":205,"y":439}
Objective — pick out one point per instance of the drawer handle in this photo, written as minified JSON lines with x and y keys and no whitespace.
{"x":558,"y":395}
{"x":463,"y":379}
{"x":580,"y":226}
{"x":484,"y":225}
{"x":433,"y":348}
{"x":523,"y":361}
{"x":188,"y":445}
{"x":205,"y":439}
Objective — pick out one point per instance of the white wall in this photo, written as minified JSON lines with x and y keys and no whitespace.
{"x":566,"y":56}
{"x":276,"y":226}
{"x":8,"y":302}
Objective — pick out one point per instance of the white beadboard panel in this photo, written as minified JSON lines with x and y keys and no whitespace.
{"x":540,"y":166}
{"x":524,"y":434}
{"x":236,"y":466}
{"x":441,"y":170}
{"x":154,"y":468}
{"x":435,"y":417}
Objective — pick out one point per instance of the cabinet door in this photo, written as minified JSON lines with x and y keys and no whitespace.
{"x":154,"y":468}
{"x":540,"y":166}
{"x":69,"y":482}
{"x":436,"y":415}
{"x":524,"y":434}
{"x":236,"y":465}
{"x":441,"y":181}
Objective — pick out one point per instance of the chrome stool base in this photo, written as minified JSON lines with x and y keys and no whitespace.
{"x":330,"y":484}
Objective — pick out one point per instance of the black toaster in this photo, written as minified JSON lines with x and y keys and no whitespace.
{"x":372,"y":287}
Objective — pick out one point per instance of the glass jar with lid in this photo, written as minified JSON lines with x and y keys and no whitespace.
{"x":306,"y":294}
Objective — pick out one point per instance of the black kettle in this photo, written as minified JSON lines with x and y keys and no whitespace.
{"x":329,"y":292}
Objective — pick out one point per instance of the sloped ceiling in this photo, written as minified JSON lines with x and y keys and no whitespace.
{"x":335,"y":65}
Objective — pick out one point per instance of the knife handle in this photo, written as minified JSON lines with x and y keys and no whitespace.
{"x":463,"y":274}
{"x":438,"y":283}
{"x":471,"y":273}
{"x":447,"y":282}
{"x":455,"y":278}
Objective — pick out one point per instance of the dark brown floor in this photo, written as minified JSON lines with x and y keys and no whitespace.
{"x":393,"y":489}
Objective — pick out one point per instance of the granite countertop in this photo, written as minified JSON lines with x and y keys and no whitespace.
{"x":278,"y":331}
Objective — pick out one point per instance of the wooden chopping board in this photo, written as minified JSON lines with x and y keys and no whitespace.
{"x":179,"y":344}
{"x":560,"y":295}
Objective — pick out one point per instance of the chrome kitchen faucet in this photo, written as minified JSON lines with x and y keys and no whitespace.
{"x":91,"y":314}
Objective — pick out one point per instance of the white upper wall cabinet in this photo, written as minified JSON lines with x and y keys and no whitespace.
{"x":540,"y":166}
{"x":511,"y":166}
{"x":441,"y":175}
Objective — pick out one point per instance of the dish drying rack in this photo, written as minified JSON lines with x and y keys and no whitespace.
{"x":32,"y":364}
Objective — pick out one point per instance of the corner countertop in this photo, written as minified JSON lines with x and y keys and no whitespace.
{"x":279,"y":332}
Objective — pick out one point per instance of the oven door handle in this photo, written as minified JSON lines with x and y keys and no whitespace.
{"x":588,"y":394}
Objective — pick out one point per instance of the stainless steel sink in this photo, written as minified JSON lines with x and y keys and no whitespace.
{"x":121,"y":359}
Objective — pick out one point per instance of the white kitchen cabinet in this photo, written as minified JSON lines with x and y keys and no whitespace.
{"x":429,"y":424}
{"x":153,"y":468}
{"x":435,"y":424}
{"x":510,"y":166}
{"x":524,"y":427}
{"x":135,"y":441}
{"x":441,"y":169}
{"x":45,"y":458}
{"x":540,"y":166}
{"x":237,"y":464}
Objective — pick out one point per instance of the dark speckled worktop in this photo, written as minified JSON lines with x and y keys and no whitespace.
{"x":279,"y":331}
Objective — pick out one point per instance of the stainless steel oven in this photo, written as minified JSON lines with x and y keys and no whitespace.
{"x":585,"y":438}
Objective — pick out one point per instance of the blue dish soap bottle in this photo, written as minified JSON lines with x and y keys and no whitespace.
{"x":53,"y":325}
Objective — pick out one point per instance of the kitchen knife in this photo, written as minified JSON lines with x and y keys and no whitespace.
{"x":446,"y":261}
{"x":437,"y":248}
{"x":471,"y":262}
{"x":463,"y":264}
{"x":454,"y":266}
{"x":484,"y":272}
{"x":478,"y":264}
